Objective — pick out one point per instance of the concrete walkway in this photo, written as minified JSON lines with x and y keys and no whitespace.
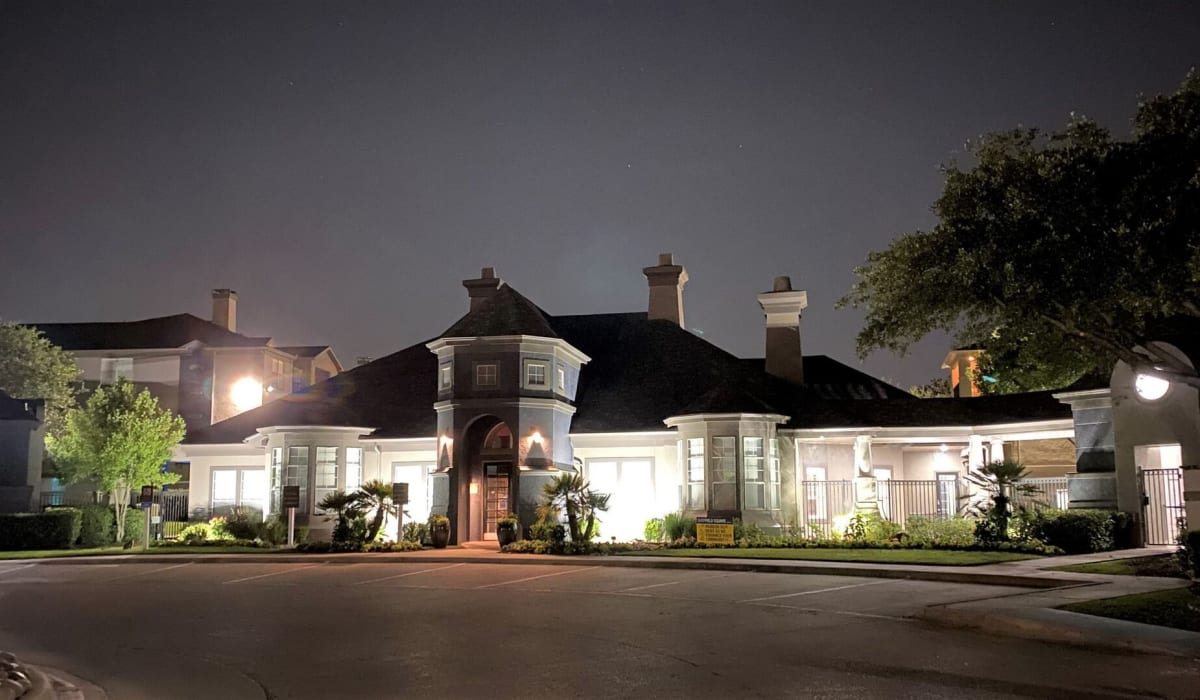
{"x":1031,"y":615}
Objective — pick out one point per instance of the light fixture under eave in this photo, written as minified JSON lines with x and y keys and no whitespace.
{"x":535,"y":457}
{"x":444,"y":464}
{"x":246,"y":393}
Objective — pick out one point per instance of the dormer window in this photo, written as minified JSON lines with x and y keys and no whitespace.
{"x":485,"y":375}
{"x":535,"y":375}
{"x":446,"y":374}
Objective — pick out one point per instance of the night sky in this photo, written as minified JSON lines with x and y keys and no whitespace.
{"x":344,"y":165}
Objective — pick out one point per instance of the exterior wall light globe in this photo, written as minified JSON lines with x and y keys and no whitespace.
{"x":246,"y":393}
{"x":1150,"y":387}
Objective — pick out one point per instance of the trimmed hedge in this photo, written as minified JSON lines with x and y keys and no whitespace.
{"x":76,"y":519}
{"x":97,"y":526}
{"x":1076,"y":531}
{"x":53,"y":529}
{"x":135,"y":527}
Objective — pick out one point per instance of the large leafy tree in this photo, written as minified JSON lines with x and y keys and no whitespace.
{"x":31,"y":367}
{"x":1057,"y":253}
{"x":121,"y":439}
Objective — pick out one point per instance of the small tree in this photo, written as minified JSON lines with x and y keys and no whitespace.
{"x":121,"y":439}
{"x":999,"y":482}
{"x":31,"y":367}
{"x":938,"y":388}
{"x":570,"y":493}
{"x":376,"y":497}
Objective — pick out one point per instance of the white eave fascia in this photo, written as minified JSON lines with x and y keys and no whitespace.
{"x":518,"y":401}
{"x":673,"y":421}
{"x":273,"y":429}
{"x":1029,"y":430}
{"x":578,"y":355}
{"x":1087,"y":398}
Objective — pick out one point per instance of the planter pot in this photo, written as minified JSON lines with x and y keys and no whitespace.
{"x":440,"y":536}
{"x":506,"y":534}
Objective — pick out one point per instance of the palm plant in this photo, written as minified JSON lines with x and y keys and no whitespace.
{"x":376,"y":497}
{"x":999,"y":482}
{"x":346,"y":509}
{"x":571,"y":493}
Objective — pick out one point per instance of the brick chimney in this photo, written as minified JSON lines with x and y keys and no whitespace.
{"x":225,"y":309}
{"x":666,"y":289}
{"x":782,"y":307}
{"x":480,"y":289}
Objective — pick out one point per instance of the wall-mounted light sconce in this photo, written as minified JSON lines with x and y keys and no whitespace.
{"x":535,"y":456}
{"x":444,"y":464}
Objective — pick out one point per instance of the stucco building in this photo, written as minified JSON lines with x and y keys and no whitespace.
{"x":478,"y":418}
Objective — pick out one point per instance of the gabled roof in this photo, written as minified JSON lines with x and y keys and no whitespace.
{"x":830,"y":379}
{"x":978,"y":410}
{"x":151,"y":333}
{"x":303,"y":350}
{"x":505,"y":312}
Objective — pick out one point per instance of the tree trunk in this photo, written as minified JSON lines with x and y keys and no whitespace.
{"x":120,"y":499}
{"x":376,"y":524}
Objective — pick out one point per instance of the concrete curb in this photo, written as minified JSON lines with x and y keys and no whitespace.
{"x":1061,"y":626}
{"x":927,"y":573}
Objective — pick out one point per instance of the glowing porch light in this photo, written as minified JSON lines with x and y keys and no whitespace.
{"x":1150,"y":387}
{"x":246,"y":393}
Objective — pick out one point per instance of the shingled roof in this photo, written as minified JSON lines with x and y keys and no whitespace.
{"x":151,"y":333}
{"x":641,"y":372}
{"x":505,"y":312}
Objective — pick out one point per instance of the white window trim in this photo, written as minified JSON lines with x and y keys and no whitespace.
{"x":346,"y":461}
{"x":446,"y":376}
{"x":561,"y":379}
{"x":319,"y":492}
{"x":686,"y":451}
{"x":545,"y":385}
{"x":712,"y":482}
{"x":495,"y":375}
{"x":761,"y":481}
{"x":237,"y":487}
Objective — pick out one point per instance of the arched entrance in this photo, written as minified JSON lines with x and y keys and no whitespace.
{"x":486,"y":484}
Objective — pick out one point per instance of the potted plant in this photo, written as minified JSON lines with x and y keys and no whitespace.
{"x":439,"y":530}
{"x":507,"y":529}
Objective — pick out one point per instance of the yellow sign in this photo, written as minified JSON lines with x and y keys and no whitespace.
{"x":714,"y":531}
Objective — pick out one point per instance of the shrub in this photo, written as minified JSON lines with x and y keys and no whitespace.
{"x":194,"y":534}
{"x":135,"y":528}
{"x":53,"y":529}
{"x":548,"y":532}
{"x":1189,"y":553}
{"x":1074,"y":531}
{"x":401,"y":546}
{"x":217,"y":529}
{"x":76,"y":520}
{"x":870,"y":528}
{"x":97,"y":525}
{"x":935,"y":532}
{"x":242,"y":526}
{"x":274,"y":530}
{"x":209,"y":543}
{"x":653,"y":530}
{"x":676,"y":525}
{"x":415,"y":532}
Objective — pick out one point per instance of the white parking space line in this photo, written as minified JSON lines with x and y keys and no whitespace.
{"x":146,"y":573}
{"x":273,"y":573}
{"x":410,"y":573}
{"x":653,"y":585}
{"x":17,"y":568}
{"x":819,"y":590}
{"x":534,"y":578}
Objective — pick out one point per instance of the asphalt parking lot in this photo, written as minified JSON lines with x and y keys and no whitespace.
{"x":261,"y":630}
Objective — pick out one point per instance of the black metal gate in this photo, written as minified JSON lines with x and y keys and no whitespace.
{"x":1162,"y":504}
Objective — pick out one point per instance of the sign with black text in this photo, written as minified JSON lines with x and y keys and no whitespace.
{"x":714,"y":530}
{"x":291,"y":497}
{"x":399,"y":492}
{"x":147,"y":495}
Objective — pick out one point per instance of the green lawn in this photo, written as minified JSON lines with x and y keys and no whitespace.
{"x":108,"y":551}
{"x":1161,"y":565}
{"x":1179,"y":608}
{"x":937,"y":557}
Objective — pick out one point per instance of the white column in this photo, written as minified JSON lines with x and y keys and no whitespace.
{"x":865,"y":488}
{"x":997,"y":449}
{"x":974,"y":452}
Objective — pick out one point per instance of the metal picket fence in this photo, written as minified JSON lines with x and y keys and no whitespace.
{"x":821,"y":502}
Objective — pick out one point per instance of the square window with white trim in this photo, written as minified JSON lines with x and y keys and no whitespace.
{"x":535,"y":375}
{"x":486,"y":375}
